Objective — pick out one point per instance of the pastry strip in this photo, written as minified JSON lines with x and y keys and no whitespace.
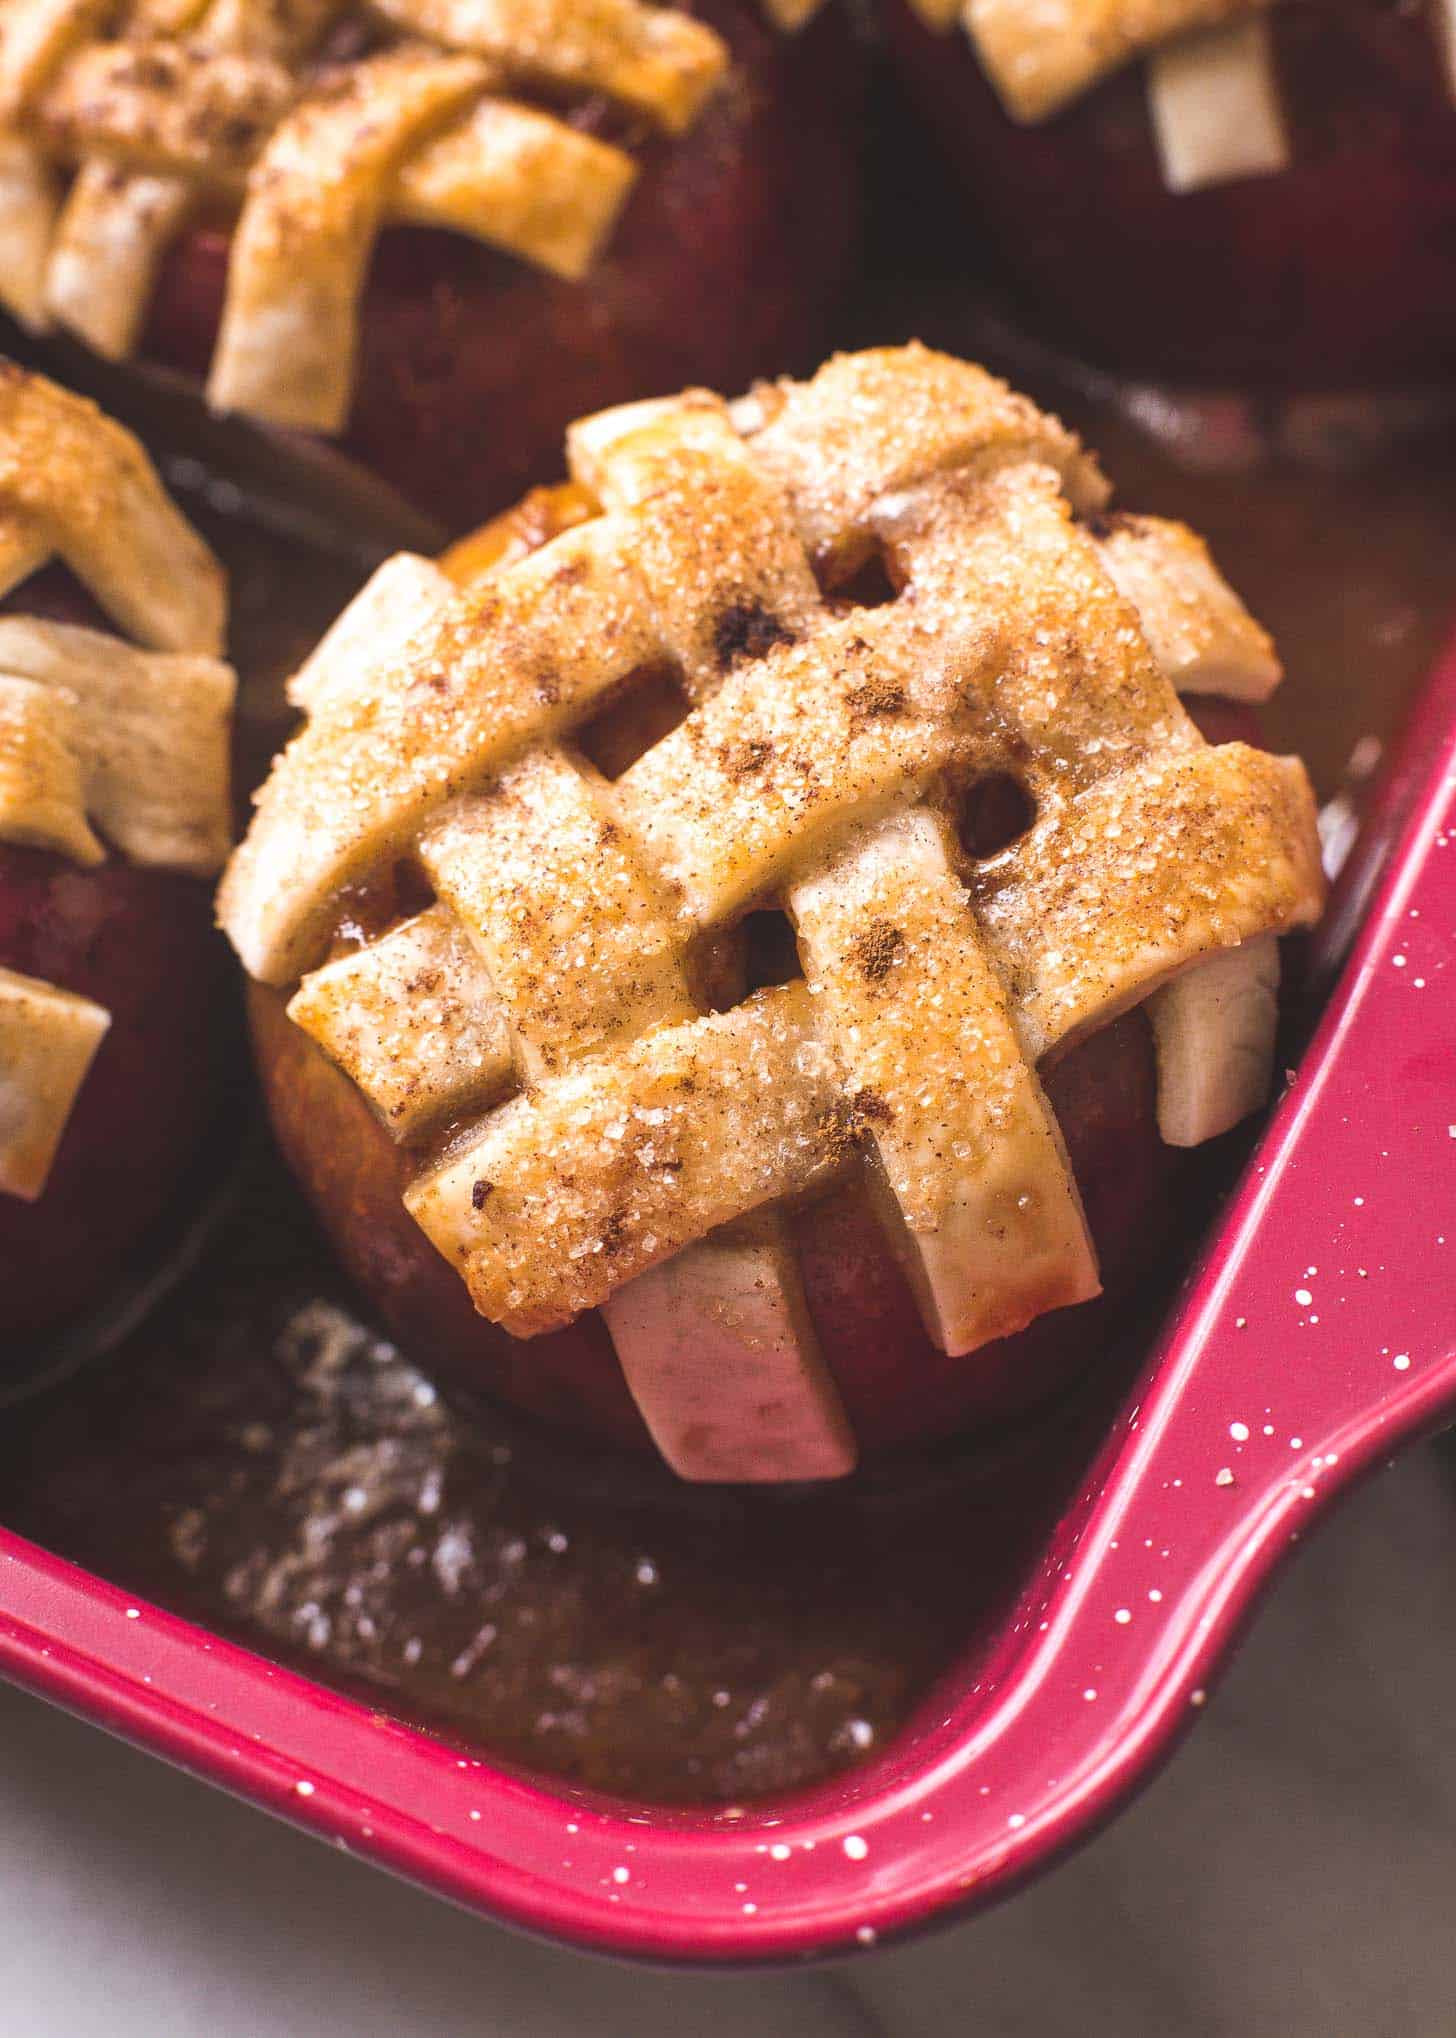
{"x":823,"y":743}
{"x":85,"y":488}
{"x":48,"y":1040}
{"x":286,"y":346}
{"x":152,"y":738}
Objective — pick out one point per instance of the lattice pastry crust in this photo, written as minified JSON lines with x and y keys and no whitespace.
{"x":1213,"y":93}
{"x":100,"y":740}
{"x":319,"y":121}
{"x":591,"y":1135}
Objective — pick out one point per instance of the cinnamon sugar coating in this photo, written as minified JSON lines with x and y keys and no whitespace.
{"x":822,"y":752}
{"x":316,"y":122}
{"x":104,"y":745}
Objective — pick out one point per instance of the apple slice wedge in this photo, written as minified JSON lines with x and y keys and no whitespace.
{"x":1214,"y":1027}
{"x":722,"y":1359}
{"x":1214,"y":103}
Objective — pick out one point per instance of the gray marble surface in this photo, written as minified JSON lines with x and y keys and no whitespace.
{"x":1292,"y":1874}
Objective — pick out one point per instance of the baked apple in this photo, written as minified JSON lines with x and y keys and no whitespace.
{"x":434,"y":232}
{"x":1210,"y":190}
{"x":743,"y":944}
{"x":115,"y":712}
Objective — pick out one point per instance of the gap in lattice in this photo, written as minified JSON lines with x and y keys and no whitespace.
{"x":991,"y":813}
{"x":647,"y":706}
{"x":369,"y":908}
{"x":869,"y":586}
{"x":770,"y":949}
{"x":56,"y":594}
{"x":732,"y":963}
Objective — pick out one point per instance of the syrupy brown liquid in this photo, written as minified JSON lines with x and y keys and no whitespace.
{"x":258,"y":1458}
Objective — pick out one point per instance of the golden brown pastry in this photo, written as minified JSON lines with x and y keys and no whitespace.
{"x":864,"y":652}
{"x":434,"y":228}
{"x":115,"y":714}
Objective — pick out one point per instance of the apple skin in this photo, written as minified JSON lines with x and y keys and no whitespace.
{"x":898,"y":1388}
{"x":1339,"y":271}
{"x":473,"y":364}
{"x":355,"y":1175}
{"x":142,"y":943}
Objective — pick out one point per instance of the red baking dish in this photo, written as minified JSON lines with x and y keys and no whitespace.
{"x":1316,"y":1336}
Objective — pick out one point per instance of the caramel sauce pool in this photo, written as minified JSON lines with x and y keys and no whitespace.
{"x":258,"y":1459}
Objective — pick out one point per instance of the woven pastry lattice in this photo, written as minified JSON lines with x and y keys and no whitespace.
{"x":818,"y":764}
{"x":96,"y":734}
{"x":319,"y":122}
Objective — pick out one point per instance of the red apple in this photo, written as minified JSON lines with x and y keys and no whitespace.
{"x":142,"y":944}
{"x":472,"y":364}
{"x":897,"y":1387}
{"x":1338,"y":270}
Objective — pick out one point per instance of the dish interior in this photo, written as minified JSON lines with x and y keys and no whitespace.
{"x":258,"y":1459}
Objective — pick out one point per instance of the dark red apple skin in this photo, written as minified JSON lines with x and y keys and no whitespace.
{"x":898,"y":1388}
{"x":1339,"y":271}
{"x":141,"y":943}
{"x":473,"y":364}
